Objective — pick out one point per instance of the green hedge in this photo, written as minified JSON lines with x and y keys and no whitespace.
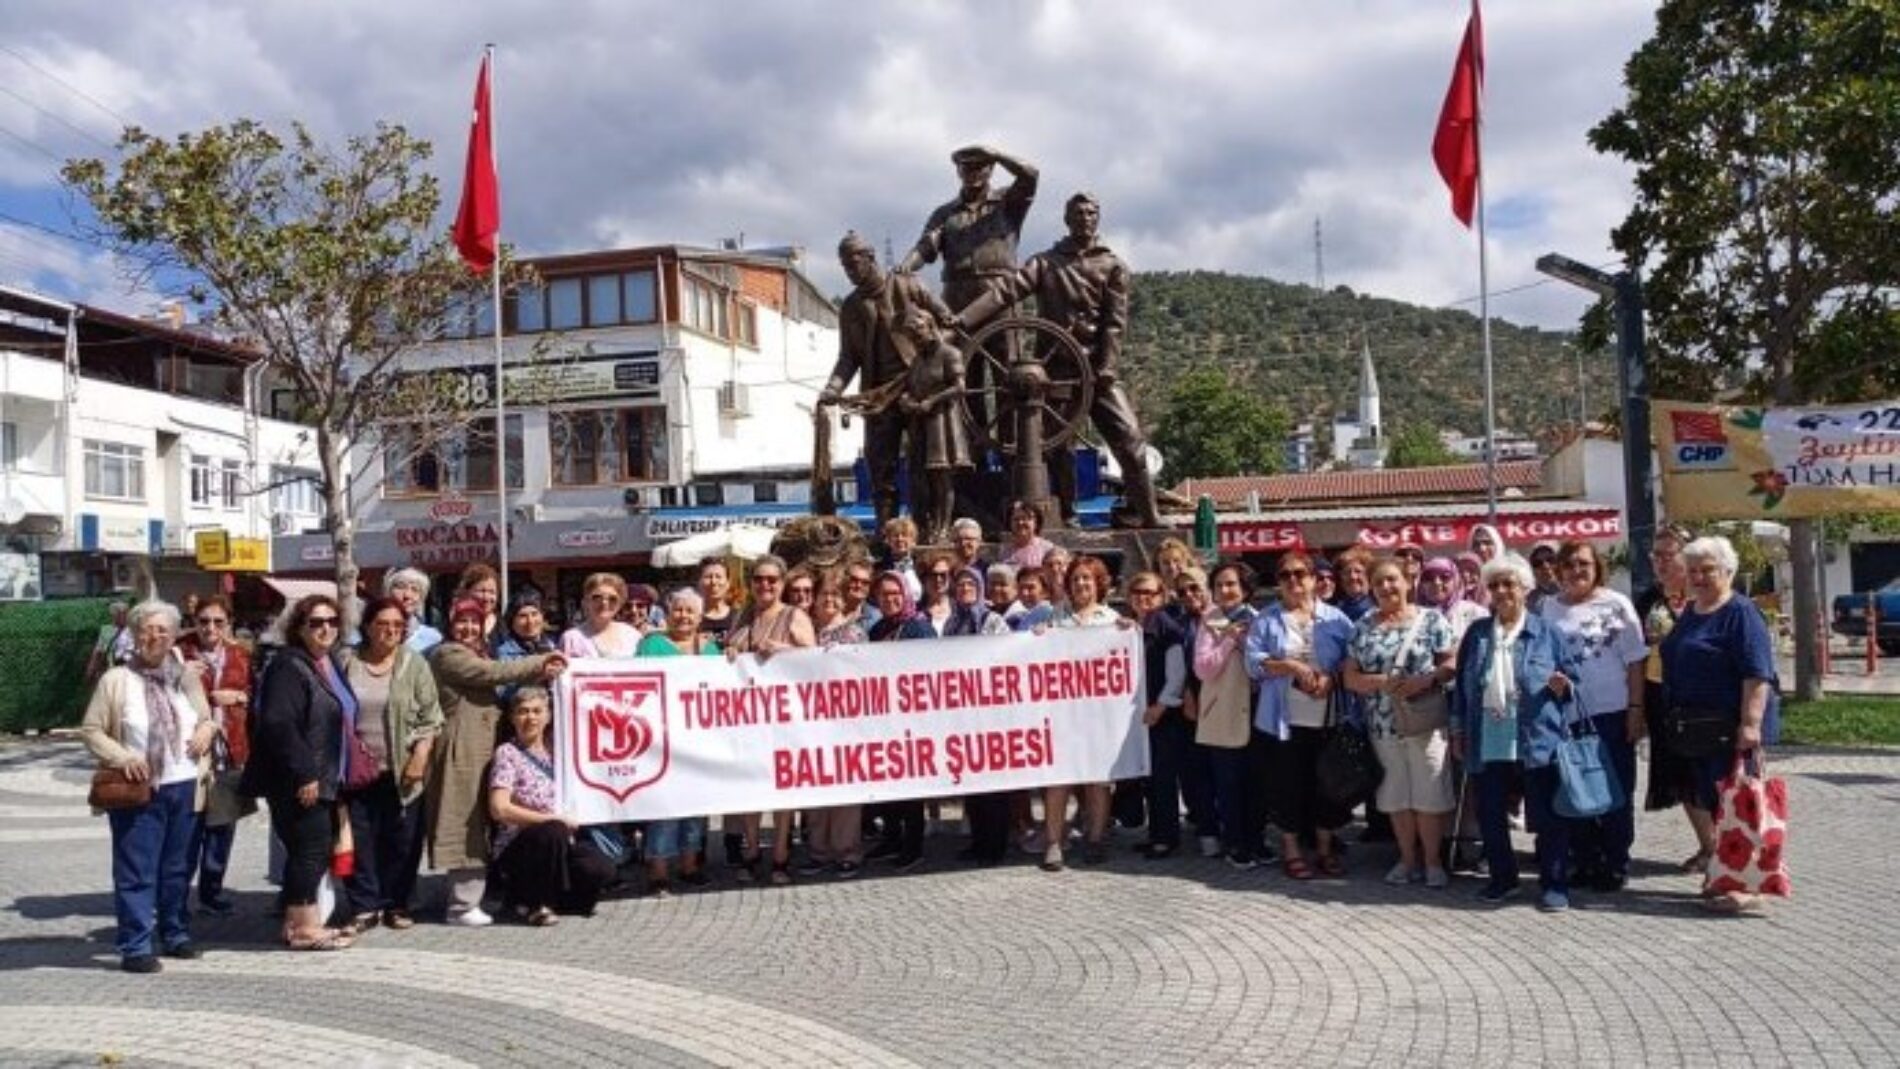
{"x":43,"y":651}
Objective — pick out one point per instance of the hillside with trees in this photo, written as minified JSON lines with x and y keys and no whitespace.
{"x":1299,"y":347}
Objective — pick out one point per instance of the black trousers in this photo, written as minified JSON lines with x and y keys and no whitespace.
{"x":1294,"y":786}
{"x":389,"y":840}
{"x":904,"y":827}
{"x":307,"y":833}
{"x":545,"y":865}
{"x":989,"y":825}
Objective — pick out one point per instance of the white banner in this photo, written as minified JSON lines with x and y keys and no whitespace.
{"x":652,"y":739}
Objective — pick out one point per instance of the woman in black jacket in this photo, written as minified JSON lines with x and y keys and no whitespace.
{"x":304,"y":707}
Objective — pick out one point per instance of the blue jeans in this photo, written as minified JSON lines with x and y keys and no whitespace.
{"x":1553,"y":831}
{"x":151,"y":870}
{"x":670,"y":839}
{"x":210,"y":855}
{"x":1603,"y":843}
{"x":1232,"y":769}
{"x":1494,"y":819}
{"x":1170,"y":743}
{"x":388,"y":837}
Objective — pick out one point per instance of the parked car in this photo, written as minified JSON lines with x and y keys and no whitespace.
{"x":1850,"y":616}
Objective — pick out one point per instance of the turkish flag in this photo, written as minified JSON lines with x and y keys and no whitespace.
{"x":1455,"y":147}
{"x":478,"y":219}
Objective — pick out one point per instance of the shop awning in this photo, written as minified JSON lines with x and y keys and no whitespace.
{"x":1432,"y":527}
{"x":295,"y":590}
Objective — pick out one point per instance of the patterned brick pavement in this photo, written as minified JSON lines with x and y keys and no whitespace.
{"x":1176,"y":962}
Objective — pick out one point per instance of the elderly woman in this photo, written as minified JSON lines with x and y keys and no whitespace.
{"x":398,"y":718}
{"x":1032,"y":593}
{"x":148,"y":723}
{"x":801,"y":585}
{"x":602,"y":633}
{"x":1602,"y":635}
{"x":1190,"y":604}
{"x":1471,"y":578}
{"x":466,"y":678}
{"x":999,"y":589}
{"x":1088,"y":583}
{"x":524,"y":632}
{"x":544,"y":866}
{"x":1400,"y":652}
{"x":1353,"y":572}
{"x":1166,"y":648}
{"x":304,"y":707}
{"x":1224,"y":730}
{"x":1506,"y":722}
{"x":482,"y":583}
{"x":966,"y":537}
{"x":1026,"y":546}
{"x":1671,"y":776}
{"x":769,"y":625}
{"x":1719,"y":673}
{"x":970,"y":611}
{"x":1486,"y":542}
{"x":1294,"y":651}
{"x":900,"y":544}
{"x":903,"y":821}
{"x":224,"y":670}
{"x":410,"y":588}
{"x":834,"y":836}
{"x":680,"y":839}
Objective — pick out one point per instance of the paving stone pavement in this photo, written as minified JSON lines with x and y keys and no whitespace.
{"x":1182,"y":962}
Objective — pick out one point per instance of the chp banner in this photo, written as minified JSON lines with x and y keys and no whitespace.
{"x":687,"y":736}
{"x":1723,"y":462}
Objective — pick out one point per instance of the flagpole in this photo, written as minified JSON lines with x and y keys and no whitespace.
{"x":501,"y":379}
{"x":1484,"y":306}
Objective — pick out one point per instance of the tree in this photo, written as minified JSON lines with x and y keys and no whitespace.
{"x":1766,"y":140}
{"x":1213,"y":427}
{"x":1417,"y":445}
{"x":327,"y":263}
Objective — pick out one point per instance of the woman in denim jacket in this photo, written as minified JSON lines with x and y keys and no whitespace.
{"x":1507,"y":715}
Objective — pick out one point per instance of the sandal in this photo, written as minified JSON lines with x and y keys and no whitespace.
{"x":329,"y":940}
{"x":398,"y":920}
{"x":363,"y":922}
{"x":781,"y":874}
{"x":1332,"y":866}
{"x":543,"y":918}
{"x":1296,"y":867}
{"x":1696,"y":864}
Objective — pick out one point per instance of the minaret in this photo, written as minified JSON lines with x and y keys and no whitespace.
{"x":1368,"y":449}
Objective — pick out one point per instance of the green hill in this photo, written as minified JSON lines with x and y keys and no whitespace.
{"x":1300,"y":346}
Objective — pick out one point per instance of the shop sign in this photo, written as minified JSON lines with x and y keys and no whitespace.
{"x":217,"y":551}
{"x":671,"y":527}
{"x":118,"y":534}
{"x":449,"y":509}
{"x":321,"y":553}
{"x":436,"y":545}
{"x":1260,"y":537}
{"x":1519,"y":529}
{"x":586,"y":538}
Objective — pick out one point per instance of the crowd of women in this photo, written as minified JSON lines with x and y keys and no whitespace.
{"x":1460,"y":676}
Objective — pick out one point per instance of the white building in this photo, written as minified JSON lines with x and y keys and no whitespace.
{"x":649,"y":391}
{"x":1511,"y":445}
{"x":1362,"y":442}
{"x":121,"y":440}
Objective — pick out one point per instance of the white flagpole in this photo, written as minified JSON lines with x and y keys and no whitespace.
{"x":1484,"y":301}
{"x":501,"y":380}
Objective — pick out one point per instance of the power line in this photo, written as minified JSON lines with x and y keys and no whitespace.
{"x":68,"y":86}
{"x":44,"y":229}
{"x":35,"y":146}
{"x":60,"y":119}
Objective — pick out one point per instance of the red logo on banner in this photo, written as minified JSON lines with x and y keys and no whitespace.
{"x":619,"y":739}
{"x":1698,"y":428}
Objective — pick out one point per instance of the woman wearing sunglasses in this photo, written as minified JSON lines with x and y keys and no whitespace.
{"x":224,"y":668}
{"x":768,"y":625}
{"x":602,"y":633}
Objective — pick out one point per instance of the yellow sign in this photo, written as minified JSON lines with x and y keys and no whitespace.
{"x":1722,"y":462}
{"x":217,"y":551}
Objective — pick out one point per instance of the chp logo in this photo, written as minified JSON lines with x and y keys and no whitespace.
{"x":1700,"y":443}
{"x":619,"y":742}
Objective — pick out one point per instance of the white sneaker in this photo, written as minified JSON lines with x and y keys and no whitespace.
{"x":1210,"y":846}
{"x":472,"y":918}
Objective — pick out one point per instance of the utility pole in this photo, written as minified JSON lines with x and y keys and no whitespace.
{"x":1319,"y":256}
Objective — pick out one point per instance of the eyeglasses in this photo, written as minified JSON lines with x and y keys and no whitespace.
{"x":936,"y":573}
{"x":857,"y":580}
{"x":1145,"y":592}
{"x":1496,"y":585}
{"x":212,"y":621}
{"x":1410,"y":554}
{"x":768,"y":578}
{"x":798,"y":592}
{"x":603,"y":599}
{"x":315,"y":622}
{"x":1190,"y":588}
{"x":1294,"y":574}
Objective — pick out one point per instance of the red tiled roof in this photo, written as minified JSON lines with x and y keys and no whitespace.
{"x":1364,"y":485}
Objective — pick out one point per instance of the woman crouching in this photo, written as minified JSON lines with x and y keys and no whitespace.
{"x":543,"y":868}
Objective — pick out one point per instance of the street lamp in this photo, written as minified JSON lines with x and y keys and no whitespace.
{"x":1625,"y":291}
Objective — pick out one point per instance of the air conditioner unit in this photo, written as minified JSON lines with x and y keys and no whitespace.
{"x":530,"y":513}
{"x":733,"y":400}
{"x":125,"y":573}
{"x":283,"y":523}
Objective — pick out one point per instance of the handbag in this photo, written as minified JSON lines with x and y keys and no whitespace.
{"x":363,"y":765}
{"x":1587,"y":786}
{"x":1347,"y":770}
{"x":111,"y":790}
{"x":1751,"y":833}
{"x":1688,"y":731}
{"x":1430,"y":711}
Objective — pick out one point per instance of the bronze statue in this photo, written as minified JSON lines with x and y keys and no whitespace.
{"x":873,"y":348}
{"x":939,"y":440}
{"x":1082,"y":287}
{"x":975,"y":235}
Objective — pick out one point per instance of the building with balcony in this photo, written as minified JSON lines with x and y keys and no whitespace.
{"x":120,"y":440}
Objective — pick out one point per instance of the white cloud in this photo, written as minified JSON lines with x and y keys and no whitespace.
{"x":1214,"y":131}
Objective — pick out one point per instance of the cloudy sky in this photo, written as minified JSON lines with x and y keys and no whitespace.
{"x":1215,"y":131}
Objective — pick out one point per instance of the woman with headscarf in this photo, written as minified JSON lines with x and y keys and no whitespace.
{"x":149,"y":723}
{"x":987,"y":814}
{"x":1441,"y":586}
{"x":903,"y":840}
{"x":1486,"y":542}
{"x":970,"y":612}
{"x":466,"y":680}
{"x":1470,"y":576}
{"x":524,"y":633}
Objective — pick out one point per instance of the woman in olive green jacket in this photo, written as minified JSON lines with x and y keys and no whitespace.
{"x":398,"y":720}
{"x":465,"y":678}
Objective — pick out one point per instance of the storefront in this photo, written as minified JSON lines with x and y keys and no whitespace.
{"x":1438,"y":529}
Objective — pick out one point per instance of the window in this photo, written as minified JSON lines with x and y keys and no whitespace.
{"x":603,"y":446}
{"x":748,"y":323}
{"x":638,"y":303}
{"x":233,"y":485}
{"x":115,"y":470}
{"x":603,"y":300}
{"x":295,"y":492}
{"x":204,"y":483}
{"x":459,"y":317}
{"x":564,"y":304}
{"x":706,"y":308}
{"x":409,"y":466}
{"x":484,"y":318}
{"x":531,"y":314}
{"x":477,"y":467}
